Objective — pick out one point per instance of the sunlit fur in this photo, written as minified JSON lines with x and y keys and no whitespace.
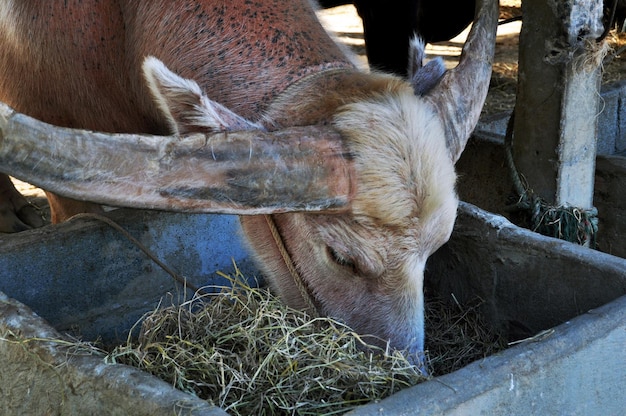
{"x":404,"y":170}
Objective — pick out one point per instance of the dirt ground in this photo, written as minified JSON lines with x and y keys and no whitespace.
{"x":345,"y":24}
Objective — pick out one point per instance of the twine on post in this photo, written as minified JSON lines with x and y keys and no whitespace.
{"x":567,"y":223}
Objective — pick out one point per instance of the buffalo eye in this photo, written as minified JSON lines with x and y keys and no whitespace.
{"x":341,"y":259}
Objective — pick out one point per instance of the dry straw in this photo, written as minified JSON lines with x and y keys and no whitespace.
{"x":245,"y":351}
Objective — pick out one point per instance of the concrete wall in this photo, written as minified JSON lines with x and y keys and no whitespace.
{"x":85,"y":277}
{"x":612,"y":119}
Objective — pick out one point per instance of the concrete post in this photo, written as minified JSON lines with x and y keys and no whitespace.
{"x":558,"y":99}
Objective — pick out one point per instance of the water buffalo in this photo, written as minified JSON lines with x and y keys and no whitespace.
{"x":389,"y":25}
{"x":232,"y":71}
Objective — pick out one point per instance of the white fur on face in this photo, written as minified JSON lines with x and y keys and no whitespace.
{"x":410,"y":306}
{"x":368,"y":266}
{"x":406,"y":178}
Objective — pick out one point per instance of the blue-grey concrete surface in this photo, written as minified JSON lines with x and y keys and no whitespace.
{"x":528,"y":281}
{"x":88,"y":278}
{"x":612,"y":119}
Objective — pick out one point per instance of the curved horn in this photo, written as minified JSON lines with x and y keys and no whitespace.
{"x":461,"y":93}
{"x":248,"y":172}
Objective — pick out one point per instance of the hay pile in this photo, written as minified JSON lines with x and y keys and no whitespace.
{"x":247,"y":352}
{"x":457,"y":335}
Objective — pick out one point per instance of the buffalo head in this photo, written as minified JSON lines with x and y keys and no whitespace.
{"x":365,"y":265}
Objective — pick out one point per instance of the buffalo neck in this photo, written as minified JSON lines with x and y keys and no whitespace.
{"x":242,"y":54}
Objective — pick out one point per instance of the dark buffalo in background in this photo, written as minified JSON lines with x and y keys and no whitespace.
{"x":389,"y":24}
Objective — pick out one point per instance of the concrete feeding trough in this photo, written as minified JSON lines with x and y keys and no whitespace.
{"x":85,"y":278}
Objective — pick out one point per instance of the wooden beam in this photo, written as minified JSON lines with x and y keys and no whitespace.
{"x":558,"y":99}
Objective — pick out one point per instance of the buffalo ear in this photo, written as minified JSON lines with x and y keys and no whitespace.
{"x":423,"y":77}
{"x":185,"y":106}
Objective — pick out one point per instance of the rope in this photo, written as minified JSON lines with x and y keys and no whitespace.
{"x":567,"y":223}
{"x":297,"y":279}
{"x":278,"y":240}
{"x":180,"y":279}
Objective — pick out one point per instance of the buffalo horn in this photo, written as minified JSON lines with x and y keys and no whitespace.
{"x":461,"y":93}
{"x":248,"y":172}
